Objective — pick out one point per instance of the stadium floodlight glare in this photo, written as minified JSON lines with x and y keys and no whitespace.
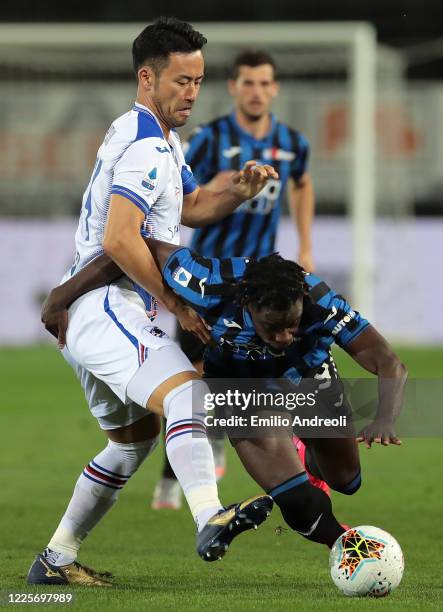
{"x":55,"y":42}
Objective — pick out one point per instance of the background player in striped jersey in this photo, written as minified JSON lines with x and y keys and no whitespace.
{"x":270,"y":319}
{"x":215,"y":151}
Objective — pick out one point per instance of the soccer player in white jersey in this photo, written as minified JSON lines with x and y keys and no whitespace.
{"x":141,"y":186}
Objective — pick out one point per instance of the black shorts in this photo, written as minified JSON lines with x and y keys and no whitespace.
{"x":331,"y":399}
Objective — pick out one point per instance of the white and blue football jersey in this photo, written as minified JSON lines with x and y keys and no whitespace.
{"x":137,"y":162}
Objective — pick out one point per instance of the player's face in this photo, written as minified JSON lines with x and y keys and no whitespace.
{"x":176,"y":88}
{"x":277,"y":328}
{"x":253,"y":90}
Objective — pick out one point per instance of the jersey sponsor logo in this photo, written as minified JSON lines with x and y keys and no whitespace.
{"x":162,"y":149}
{"x":231,"y":152}
{"x":250,"y":350}
{"x":331,"y":315}
{"x":341,"y":324}
{"x":148,"y":181}
{"x":182,"y":276}
{"x":231,"y":323}
{"x":278,"y":154}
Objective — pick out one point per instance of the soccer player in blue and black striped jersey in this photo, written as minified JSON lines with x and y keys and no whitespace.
{"x":270,"y":319}
{"x":214,"y":152}
{"x":220,"y":147}
{"x":217,"y":149}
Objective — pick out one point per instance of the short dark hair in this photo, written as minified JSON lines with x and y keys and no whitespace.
{"x":166,"y":35}
{"x":252,"y":58}
{"x":271,"y":282}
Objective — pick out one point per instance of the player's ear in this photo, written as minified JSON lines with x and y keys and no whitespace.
{"x":146,"y":77}
{"x":275,"y":88}
{"x":231,"y":86}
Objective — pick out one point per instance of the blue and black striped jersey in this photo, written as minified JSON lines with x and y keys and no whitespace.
{"x":209,"y":286}
{"x":224,"y":145}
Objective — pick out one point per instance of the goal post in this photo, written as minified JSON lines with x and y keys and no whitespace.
{"x":58,"y":47}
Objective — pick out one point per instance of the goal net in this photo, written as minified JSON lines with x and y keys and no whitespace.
{"x":63,"y":84}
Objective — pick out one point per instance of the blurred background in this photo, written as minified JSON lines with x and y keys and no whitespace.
{"x":363,"y":83}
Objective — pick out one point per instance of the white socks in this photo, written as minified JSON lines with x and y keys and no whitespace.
{"x":97,"y":488}
{"x":95,"y":493}
{"x":189,"y":451}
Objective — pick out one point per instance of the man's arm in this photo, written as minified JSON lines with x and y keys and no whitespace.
{"x":98,"y":273}
{"x":204,"y":206}
{"x":301,"y":205}
{"x":125,"y":245}
{"x":104,"y":270}
{"x":374,"y":354}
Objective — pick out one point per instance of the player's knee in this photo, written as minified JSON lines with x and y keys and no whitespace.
{"x":190,"y":397}
{"x":133,"y":454}
{"x":348,"y":484}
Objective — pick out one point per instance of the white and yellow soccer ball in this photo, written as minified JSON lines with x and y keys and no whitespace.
{"x":366,"y":561}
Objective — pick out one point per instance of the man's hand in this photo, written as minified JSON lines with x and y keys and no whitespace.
{"x":54,"y":316}
{"x":249,"y":181}
{"x":192,"y":322}
{"x":221,"y":181}
{"x":378,"y":432}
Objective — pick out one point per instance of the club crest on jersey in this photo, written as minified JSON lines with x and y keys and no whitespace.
{"x":155,"y":331}
{"x":182,"y":276}
{"x":149,"y":179}
{"x":278,"y":154}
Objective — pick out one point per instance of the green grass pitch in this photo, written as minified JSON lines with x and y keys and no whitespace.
{"x":48,"y":435}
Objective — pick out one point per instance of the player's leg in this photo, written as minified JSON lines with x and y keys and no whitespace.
{"x":336,"y":461}
{"x":167,"y":493}
{"x":317,"y":481}
{"x":134,"y":359}
{"x":143,"y":365}
{"x":275,"y":466}
{"x":181,"y":398}
{"x":132,"y":436}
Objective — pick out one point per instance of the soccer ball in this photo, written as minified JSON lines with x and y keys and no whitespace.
{"x":366,"y":560}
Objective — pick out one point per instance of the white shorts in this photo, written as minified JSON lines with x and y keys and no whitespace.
{"x":109,"y":339}
{"x":105,"y":406}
